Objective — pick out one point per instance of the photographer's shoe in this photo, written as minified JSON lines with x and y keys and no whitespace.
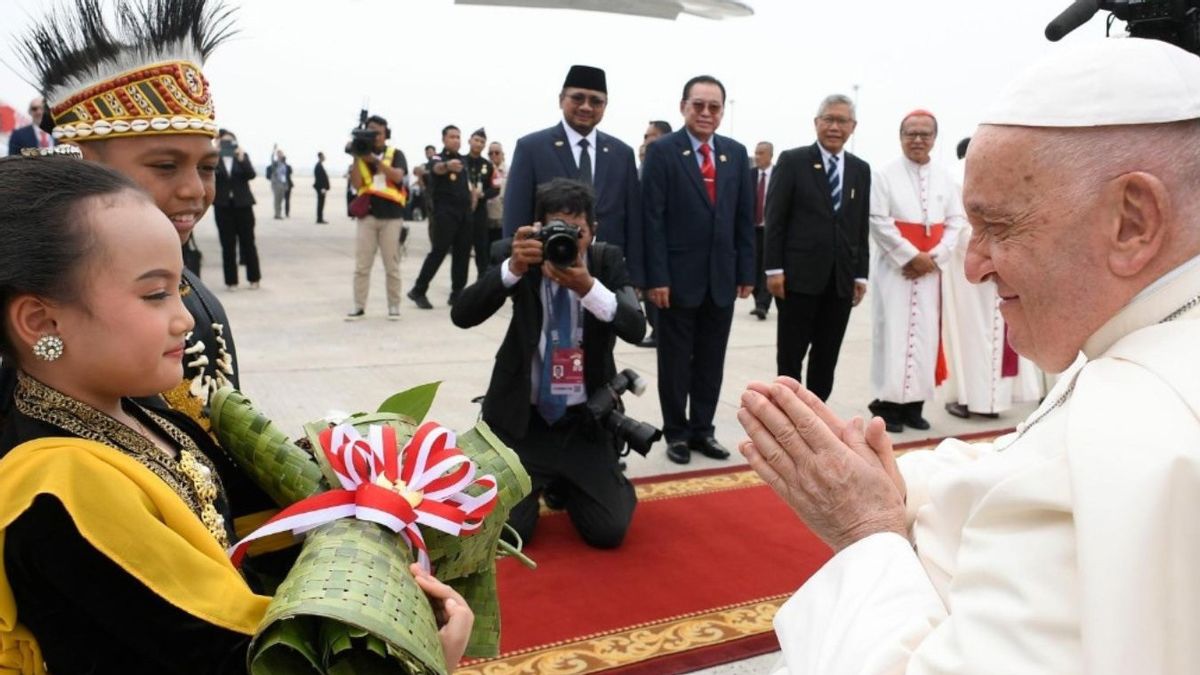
{"x":420,"y":299}
{"x":453,"y":297}
{"x":709,"y":447}
{"x":679,"y":452}
{"x":355,"y":315}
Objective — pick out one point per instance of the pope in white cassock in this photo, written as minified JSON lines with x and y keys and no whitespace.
{"x":1073,"y":544}
{"x":916,"y":215}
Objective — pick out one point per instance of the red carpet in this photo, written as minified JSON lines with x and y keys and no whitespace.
{"x":709,"y":558}
{"x":706,"y":562}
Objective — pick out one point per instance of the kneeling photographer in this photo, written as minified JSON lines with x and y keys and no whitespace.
{"x":571,"y":300}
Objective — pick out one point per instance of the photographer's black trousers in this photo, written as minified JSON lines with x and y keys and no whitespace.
{"x":575,"y":459}
{"x":450,"y":231}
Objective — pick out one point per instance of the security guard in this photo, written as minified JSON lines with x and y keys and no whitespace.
{"x":450,"y":229}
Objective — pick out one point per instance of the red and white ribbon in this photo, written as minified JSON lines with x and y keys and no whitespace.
{"x":424,"y":484}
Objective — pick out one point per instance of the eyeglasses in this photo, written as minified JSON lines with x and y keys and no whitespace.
{"x":918,"y":135}
{"x":35,"y":108}
{"x":713,"y":107}
{"x":579,"y":98}
{"x":495,"y":152}
{"x":831,"y":120}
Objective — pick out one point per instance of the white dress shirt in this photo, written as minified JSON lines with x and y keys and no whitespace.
{"x":573,"y":138}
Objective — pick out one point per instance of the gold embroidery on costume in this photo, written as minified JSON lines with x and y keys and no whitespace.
{"x":192,"y":476}
{"x":191,"y":396}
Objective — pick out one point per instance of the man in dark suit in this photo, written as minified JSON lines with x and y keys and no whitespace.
{"x":817,"y":255}
{"x":697,"y":202}
{"x":233,"y":211}
{"x":561,"y":151}
{"x":31,"y":136}
{"x":568,"y":317}
{"x":321,"y":185}
{"x":760,"y":175}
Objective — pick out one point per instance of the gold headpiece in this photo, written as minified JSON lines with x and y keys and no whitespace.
{"x":163,"y":98}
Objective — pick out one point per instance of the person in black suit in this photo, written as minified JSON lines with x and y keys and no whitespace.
{"x":760,"y":176}
{"x":31,"y":135}
{"x":233,"y":210}
{"x":560,"y":316}
{"x":817,"y":255}
{"x":321,"y":185}
{"x":697,"y":202}
{"x":557,"y":152}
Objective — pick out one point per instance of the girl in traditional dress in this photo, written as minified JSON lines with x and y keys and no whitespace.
{"x":114,"y":516}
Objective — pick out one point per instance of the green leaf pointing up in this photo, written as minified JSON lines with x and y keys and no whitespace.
{"x":414,"y":403}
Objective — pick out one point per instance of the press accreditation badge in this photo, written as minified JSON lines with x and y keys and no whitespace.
{"x":566,"y":371}
{"x":379,"y":182}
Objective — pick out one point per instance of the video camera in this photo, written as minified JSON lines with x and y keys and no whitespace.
{"x":560,"y":244}
{"x":606,"y":407}
{"x":1173,"y":21}
{"x":362,"y":139}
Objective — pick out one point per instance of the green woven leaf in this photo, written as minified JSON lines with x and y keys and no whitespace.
{"x":286,"y":647}
{"x":414,"y":403}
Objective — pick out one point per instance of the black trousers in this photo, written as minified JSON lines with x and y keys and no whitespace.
{"x":762,"y":297}
{"x":818,"y":321}
{"x":578,"y":459}
{"x":691,"y":365}
{"x":235,"y":227}
{"x":287,"y":203}
{"x":651,"y":312}
{"x":480,"y":239}
{"x":449,"y":232}
{"x":320,"y":205}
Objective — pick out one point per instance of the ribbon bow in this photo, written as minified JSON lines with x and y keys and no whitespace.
{"x":423,"y":484}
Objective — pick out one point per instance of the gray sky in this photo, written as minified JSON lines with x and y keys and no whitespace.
{"x":300,"y":69}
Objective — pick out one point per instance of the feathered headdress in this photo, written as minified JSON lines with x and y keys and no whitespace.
{"x":136,"y":75}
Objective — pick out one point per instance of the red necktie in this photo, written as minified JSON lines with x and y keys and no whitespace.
{"x":760,"y":197}
{"x":709,"y":171}
{"x":43,"y":138}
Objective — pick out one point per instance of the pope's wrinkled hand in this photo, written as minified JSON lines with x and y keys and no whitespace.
{"x":839,"y":477}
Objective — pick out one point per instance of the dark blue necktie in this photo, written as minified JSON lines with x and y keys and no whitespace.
{"x":550,"y":406}
{"x":835,"y":183}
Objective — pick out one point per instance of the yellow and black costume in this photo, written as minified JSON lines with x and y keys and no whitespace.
{"x":114,"y":552}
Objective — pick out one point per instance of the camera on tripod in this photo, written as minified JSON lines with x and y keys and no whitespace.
{"x":560,"y":244}
{"x":362,"y":139}
{"x":1174,"y":21}
{"x":605,"y":406}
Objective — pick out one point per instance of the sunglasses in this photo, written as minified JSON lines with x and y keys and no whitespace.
{"x":713,"y":107}
{"x":579,"y":98}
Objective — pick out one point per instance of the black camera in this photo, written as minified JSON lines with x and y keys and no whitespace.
{"x":559,"y":243}
{"x":1173,"y":21}
{"x":606,"y":407}
{"x":362,"y":139}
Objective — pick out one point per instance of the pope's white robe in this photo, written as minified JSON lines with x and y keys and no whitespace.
{"x":974,"y":339}
{"x":1069,"y":546}
{"x":906,"y":315}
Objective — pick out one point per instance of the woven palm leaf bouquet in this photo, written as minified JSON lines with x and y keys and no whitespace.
{"x":372,"y":495}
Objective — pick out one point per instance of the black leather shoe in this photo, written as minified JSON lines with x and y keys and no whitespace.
{"x":678,"y":452}
{"x":555,"y":497}
{"x":709,"y":447}
{"x":913,"y":419}
{"x":453,"y":297}
{"x":760,"y":313}
{"x":648,"y":342}
{"x":420,"y":300}
{"x":958,"y":410}
{"x":889,"y":413}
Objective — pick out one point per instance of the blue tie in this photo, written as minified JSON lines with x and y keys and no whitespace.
{"x":835,"y":183}
{"x":550,"y":406}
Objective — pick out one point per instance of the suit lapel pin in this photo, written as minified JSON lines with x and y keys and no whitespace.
{"x":851,"y":193}
{"x":605,"y":148}
{"x":558,"y":144}
{"x":723,"y":158}
{"x":819,"y":166}
{"x":687,"y":153}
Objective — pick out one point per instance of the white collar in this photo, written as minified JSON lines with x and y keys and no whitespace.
{"x":1151,"y":305}
{"x":696,"y":142}
{"x":825,"y":155}
{"x":573,"y":137}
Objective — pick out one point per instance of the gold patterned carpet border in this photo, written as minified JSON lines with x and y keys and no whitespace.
{"x":626,"y":646}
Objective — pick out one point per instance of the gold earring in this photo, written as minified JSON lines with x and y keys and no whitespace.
{"x":48,"y":348}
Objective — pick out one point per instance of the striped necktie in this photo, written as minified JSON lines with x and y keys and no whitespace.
{"x":835,"y":183}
